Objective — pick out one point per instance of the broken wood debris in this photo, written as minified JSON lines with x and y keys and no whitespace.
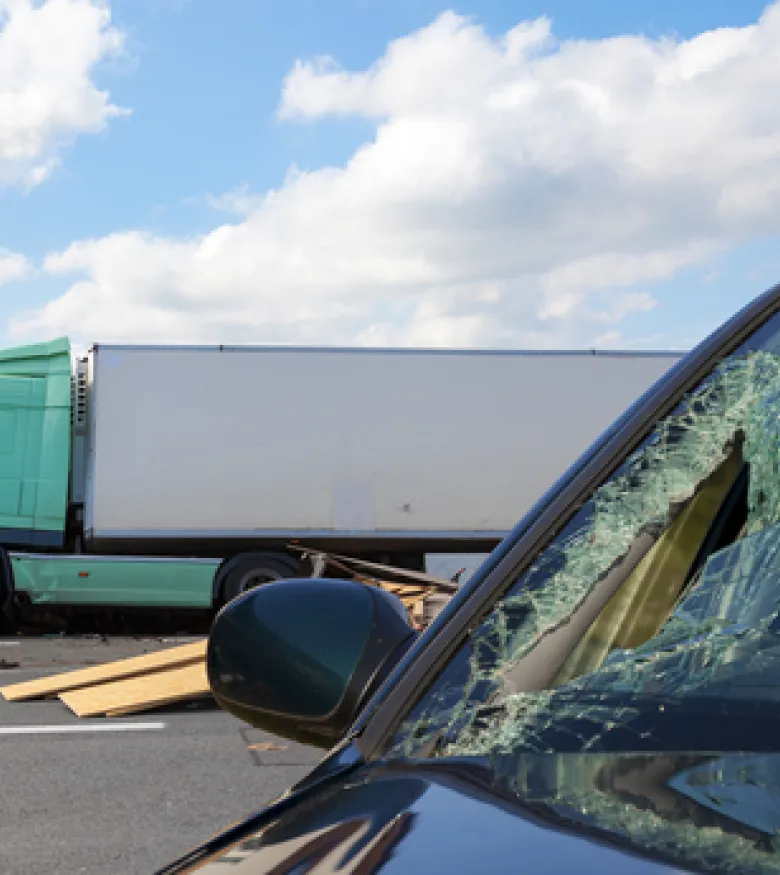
{"x":266,"y":745}
{"x":354,"y":566}
{"x":131,"y":695}
{"x":124,"y":686}
{"x":133,"y":666}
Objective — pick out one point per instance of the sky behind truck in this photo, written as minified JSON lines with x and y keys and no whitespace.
{"x":176,"y":476}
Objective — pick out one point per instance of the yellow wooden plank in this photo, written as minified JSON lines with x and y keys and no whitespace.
{"x":139,"y":693}
{"x":184,"y":688}
{"x":200,"y":693}
{"x":122,"y":668}
{"x":404,"y":591}
{"x":184,"y":697}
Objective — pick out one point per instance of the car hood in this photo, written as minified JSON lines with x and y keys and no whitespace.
{"x":553,"y":813}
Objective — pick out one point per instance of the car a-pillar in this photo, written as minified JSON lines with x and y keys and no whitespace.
{"x":246,"y":571}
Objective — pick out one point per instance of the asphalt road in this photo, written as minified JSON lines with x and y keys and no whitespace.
{"x":77,"y":799}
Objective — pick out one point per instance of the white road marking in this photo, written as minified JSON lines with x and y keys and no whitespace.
{"x":80,"y":727}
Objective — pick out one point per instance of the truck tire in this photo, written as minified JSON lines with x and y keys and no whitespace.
{"x":254,"y":569}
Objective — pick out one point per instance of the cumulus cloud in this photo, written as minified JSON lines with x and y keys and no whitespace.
{"x":13,"y":267}
{"x":517,"y":190}
{"x":48,"y":52}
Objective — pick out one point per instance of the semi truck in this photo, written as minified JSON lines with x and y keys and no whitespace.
{"x":180,"y":476}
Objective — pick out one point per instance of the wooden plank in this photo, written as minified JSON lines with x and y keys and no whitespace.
{"x":122,"y":668}
{"x":140,"y":693}
{"x":420,"y":576}
{"x":198,"y":695}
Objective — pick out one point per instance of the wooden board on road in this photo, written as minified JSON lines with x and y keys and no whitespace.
{"x":133,"y":667}
{"x":131,"y":695}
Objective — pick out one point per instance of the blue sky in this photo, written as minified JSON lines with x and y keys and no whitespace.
{"x":203,"y":82}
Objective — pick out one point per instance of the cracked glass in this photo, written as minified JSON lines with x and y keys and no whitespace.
{"x":651,"y":623}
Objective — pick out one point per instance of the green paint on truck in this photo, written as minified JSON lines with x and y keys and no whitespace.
{"x":35,"y":428}
{"x":115,"y":581}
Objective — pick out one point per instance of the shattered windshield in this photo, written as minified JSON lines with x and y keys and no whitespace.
{"x":661,"y":592}
{"x":648,"y":629}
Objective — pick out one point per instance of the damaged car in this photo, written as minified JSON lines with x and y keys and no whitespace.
{"x":602,"y":695}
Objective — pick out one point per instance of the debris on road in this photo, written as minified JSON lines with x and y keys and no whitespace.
{"x":424,"y":595}
{"x":131,"y":695}
{"x":124,"y":686}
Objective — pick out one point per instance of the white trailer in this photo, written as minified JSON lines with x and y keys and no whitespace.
{"x":338,"y":447}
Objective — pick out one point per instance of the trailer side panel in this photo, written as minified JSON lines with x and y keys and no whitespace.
{"x":199,"y":444}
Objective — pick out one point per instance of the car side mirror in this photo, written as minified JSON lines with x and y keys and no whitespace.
{"x":300,"y":657}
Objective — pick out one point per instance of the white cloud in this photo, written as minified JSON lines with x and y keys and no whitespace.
{"x":13,"y":267}
{"x":238,"y":201}
{"x":517,"y":191}
{"x":48,"y":52}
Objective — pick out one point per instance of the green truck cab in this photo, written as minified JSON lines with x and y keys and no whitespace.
{"x":35,"y":444}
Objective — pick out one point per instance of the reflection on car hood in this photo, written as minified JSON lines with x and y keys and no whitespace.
{"x":552,"y":813}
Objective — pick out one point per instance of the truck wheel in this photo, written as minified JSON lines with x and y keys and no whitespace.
{"x":251,"y":571}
